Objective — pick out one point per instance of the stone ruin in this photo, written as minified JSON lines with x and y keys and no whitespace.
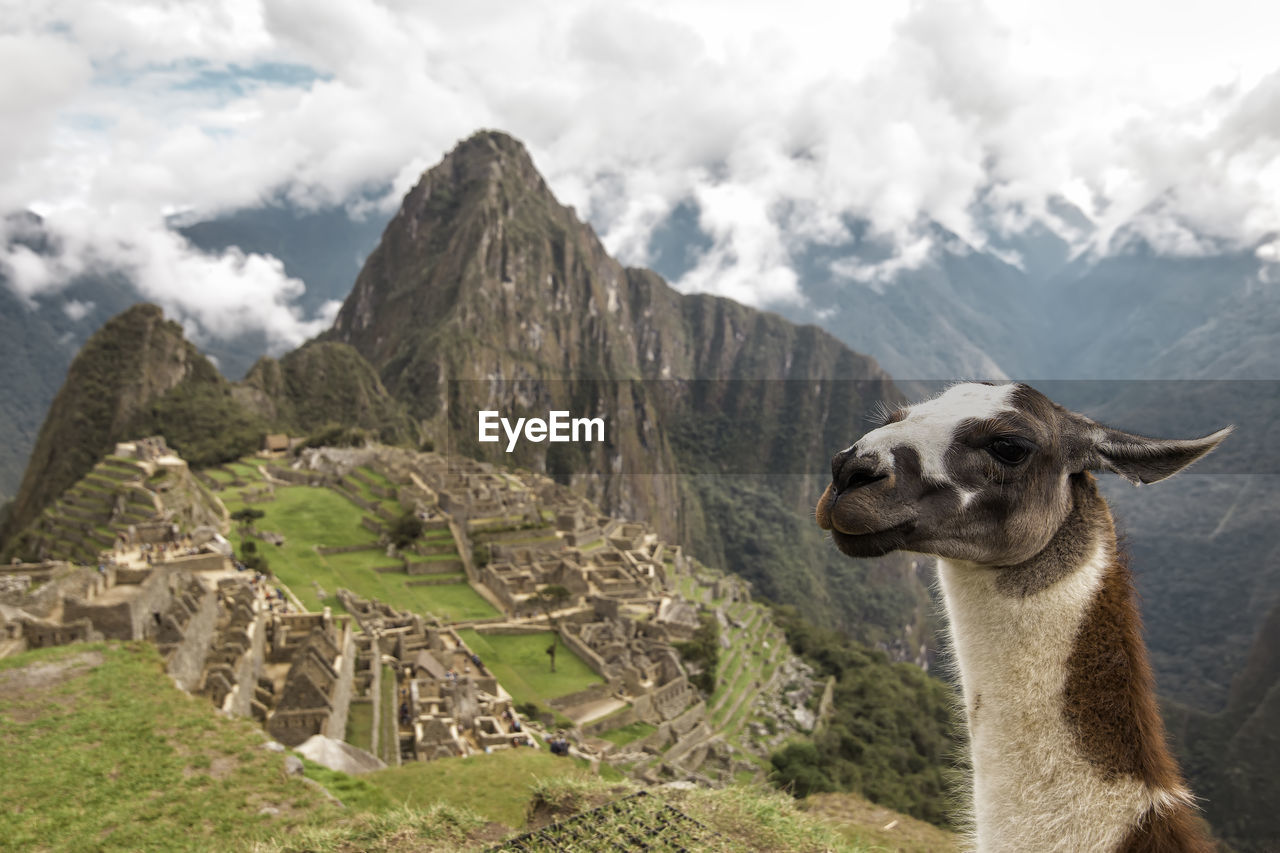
{"x":449,"y":703}
{"x":168,"y":603}
{"x":233,"y":668}
{"x":315,"y":695}
{"x":299,"y":673}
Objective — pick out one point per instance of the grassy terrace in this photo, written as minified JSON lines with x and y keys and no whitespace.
{"x":360,"y":725}
{"x":360,"y":479}
{"x":388,"y":726}
{"x":308,"y":517}
{"x":629,"y":733}
{"x":520,"y":663}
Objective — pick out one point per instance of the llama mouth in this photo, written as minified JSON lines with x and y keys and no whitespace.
{"x":874,"y":544}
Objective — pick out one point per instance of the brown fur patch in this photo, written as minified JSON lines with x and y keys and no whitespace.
{"x":1109,"y":699}
{"x":1109,"y":702}
{"x":1070,"y":547}
{"x":1173,"y":831}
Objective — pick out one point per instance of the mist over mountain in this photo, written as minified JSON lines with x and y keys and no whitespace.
{"x":325,"y":247}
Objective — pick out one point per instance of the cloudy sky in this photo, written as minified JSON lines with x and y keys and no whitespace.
{"x":776,"y":123}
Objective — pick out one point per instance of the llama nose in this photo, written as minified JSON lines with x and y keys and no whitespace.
{"x":850,"y":471}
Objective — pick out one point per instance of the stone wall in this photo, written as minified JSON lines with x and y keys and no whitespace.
{"x":594,"y":693}
{"x":299,"y":478}
{"x":41,"y":634}
{"x":207,"y":562}
{"x":186,"y":662}
{"x":613,"y":721}
{"x":317,"y":690}
{"x":348,"y":549}
{"x":588,"y":655}
{"x":510,"y":628}
{"x":123,"y":617}
{"x":336,"y":725}
{"x":433,"y":567}
{"x":672,"y":698}
{"x":249,"y":668}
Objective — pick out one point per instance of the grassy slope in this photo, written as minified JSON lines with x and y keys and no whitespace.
{"x":862,"y":822}
{"x":102,"y":752}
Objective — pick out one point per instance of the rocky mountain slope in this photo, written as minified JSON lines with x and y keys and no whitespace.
{"x":138,"y":376}
{"x":486,"y":293}
{"x":1233,"y":754}
{"x":135,"y":359}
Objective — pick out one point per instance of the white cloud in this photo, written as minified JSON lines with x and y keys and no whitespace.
{"x":213,"y":296}
{"x":782,"y":122}
{"x":879,"y":274}
{"x":77,"y":310}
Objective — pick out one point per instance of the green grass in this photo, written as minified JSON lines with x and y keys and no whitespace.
{"x":309,"y":516}
{"x":455,"y":602}
{"x":733,"y":819}
{"x":246,"y":469}
{"x":388,"y":731}
{"x":360,"y":725}
{"x":498,"y":786}
{"x":108,"y":755}
{"x":102,"y":752}
{"x":435,"y":558}
{"x":375,"y":477}
{"x":629,"y":733}
{"x":520,"y":663}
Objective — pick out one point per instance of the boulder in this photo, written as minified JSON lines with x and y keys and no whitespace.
{"x":338,"y":755}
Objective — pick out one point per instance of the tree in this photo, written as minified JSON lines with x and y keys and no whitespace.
{"x":247,"y":517}
{"x":702,"y":652}
{"x":551,"y":597}
{"x":405,"y":529}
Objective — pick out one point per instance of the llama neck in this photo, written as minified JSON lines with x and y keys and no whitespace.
{"x":1066,"y":743}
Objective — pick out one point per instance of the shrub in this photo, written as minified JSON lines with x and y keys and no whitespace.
{"x":405,"y":529}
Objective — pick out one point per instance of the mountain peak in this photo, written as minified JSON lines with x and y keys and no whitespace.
{"x":488,"y":158}
{"x":133,"y":360}
{"x":493,"y":145}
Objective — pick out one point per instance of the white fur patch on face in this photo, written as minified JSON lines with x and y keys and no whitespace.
{"x":930,"y":427}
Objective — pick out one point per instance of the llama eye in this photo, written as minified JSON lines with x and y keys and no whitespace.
{"x":1007,"y":451}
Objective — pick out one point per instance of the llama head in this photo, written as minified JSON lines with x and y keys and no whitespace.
{"x":980,"y":473}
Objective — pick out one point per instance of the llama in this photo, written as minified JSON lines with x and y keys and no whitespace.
{"x":1067,"y":744}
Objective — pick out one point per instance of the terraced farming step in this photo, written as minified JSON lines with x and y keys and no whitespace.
{"x":92,"y":516}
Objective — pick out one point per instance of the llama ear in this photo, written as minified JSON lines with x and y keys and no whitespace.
{"x":1148,"y":460}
